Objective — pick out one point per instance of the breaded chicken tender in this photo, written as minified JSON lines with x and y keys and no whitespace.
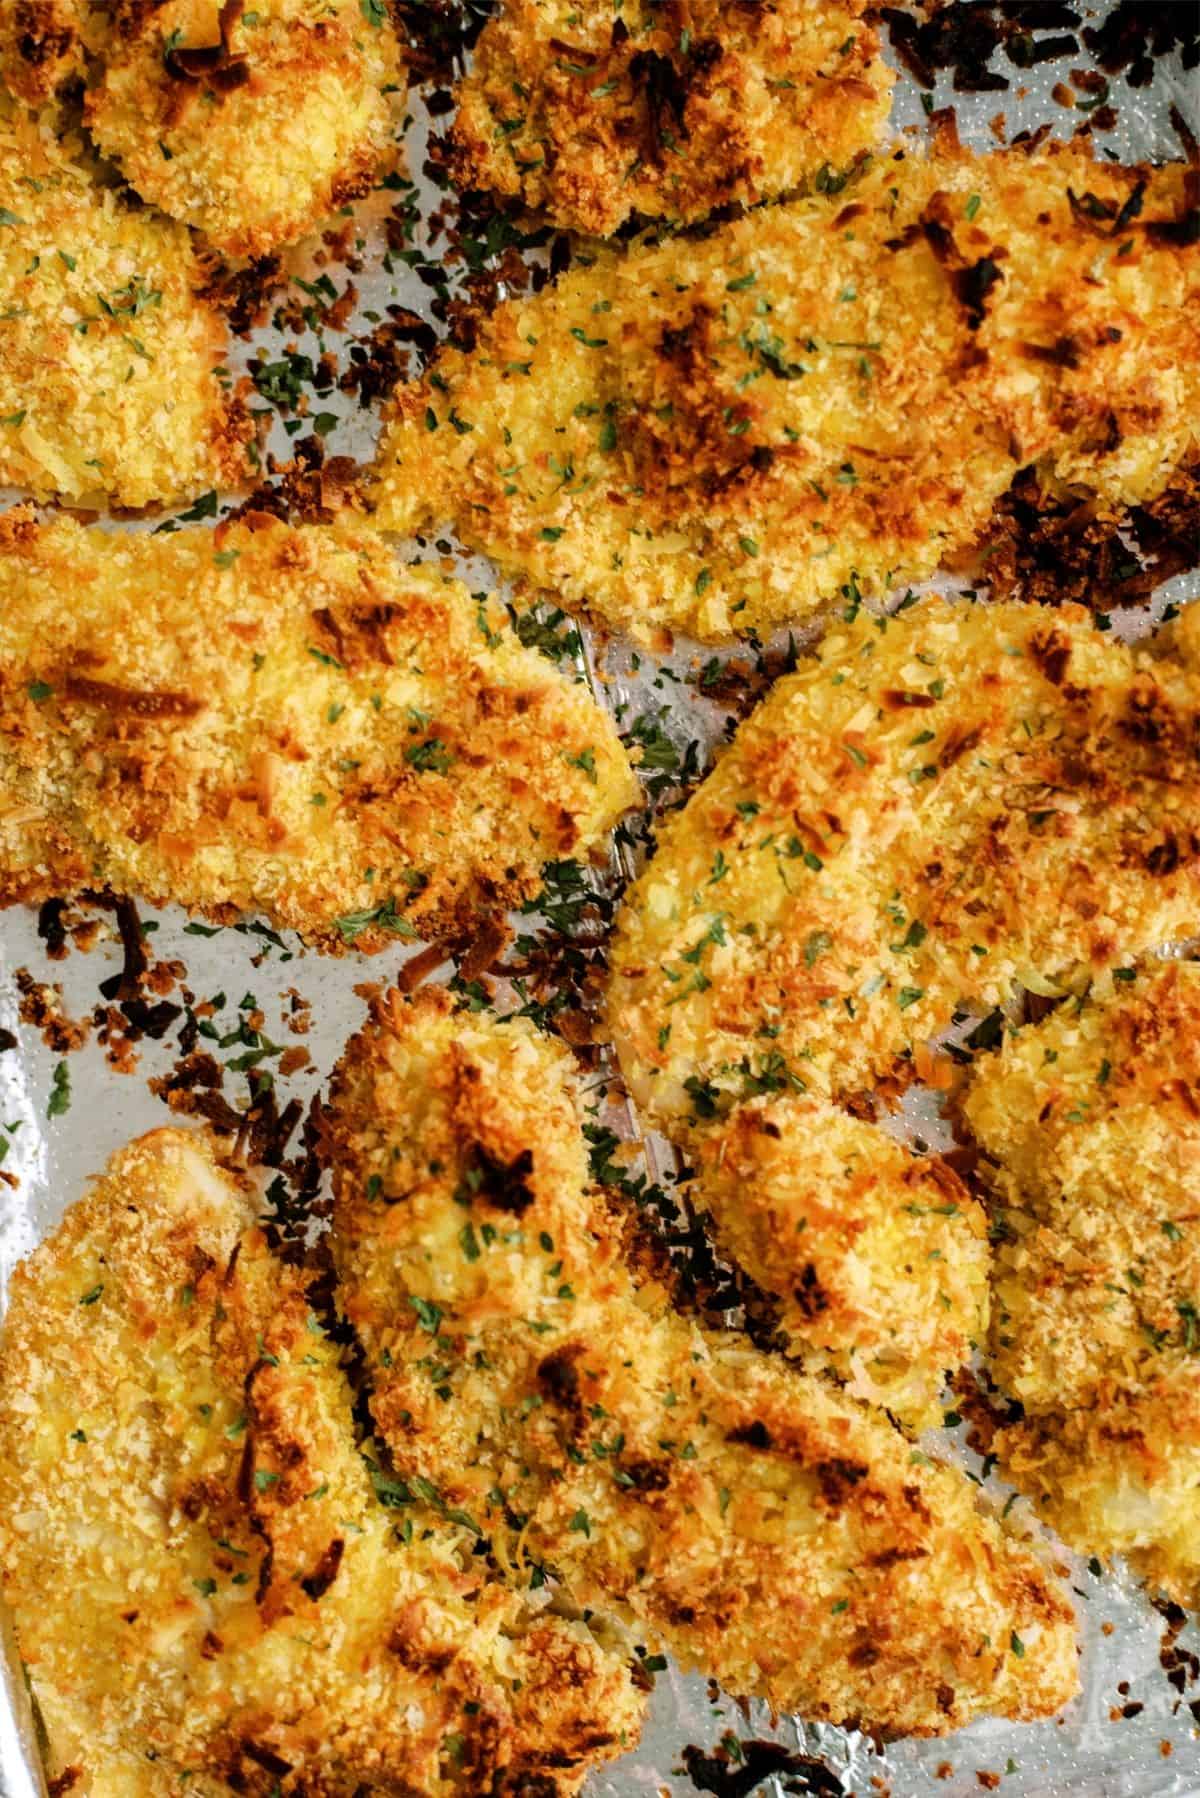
{"x":107,"y":350}
{"x":205,"y":1587}
{"x":938,"y":808}
{"x":250,"y":123}
{"x":276,"y":719}
{"x":879,"y":1256}
{"x":722,"y":434}
{"x":592,"y":115}
{"x":777,"y":1535}
{"x":1090,"y":1125}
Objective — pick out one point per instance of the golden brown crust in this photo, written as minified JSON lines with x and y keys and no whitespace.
{"x":938,"y":808}
{"x":831,"y":391}
{"x":768,"y":1530}
{"x":665,"y":112}
{"x":250,"y":123}
{"x":107,"y":383}
{"x":1090,"y":1125}
{"x":176,"y":1455}
{"x":276,"y":719}
{"x":40,"y":47}
{"x":258,"y":132}
{"x":878,"y":1256}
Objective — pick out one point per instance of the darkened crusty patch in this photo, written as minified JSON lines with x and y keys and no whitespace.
{"x":594,"y":119}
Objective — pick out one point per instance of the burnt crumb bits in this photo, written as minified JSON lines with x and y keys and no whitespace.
{"x":243,"y":294}
{"x":1056,"y":550}
{"x":51,"y":928}
{"x":965,"y":37}
{"x":1135,"y":33}
{"x":41,"y":1007}
{"x":1180,"y":1664}
{"x":379,"y":363}
{"x":311,"y":488}
{"x":735,"y":1768}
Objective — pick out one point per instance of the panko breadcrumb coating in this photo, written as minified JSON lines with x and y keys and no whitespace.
{"x":251,"y":123}
{"x":1090,"y":1126}
{"x":107,"y":350}
{"x":721,"y":434}
{"x":938,"y":808}
{"x":591,"y":114}
{"x":878,"y":1256}
{"x":770,"y":1531}
{"x":276,"y":719}
{"x":205,"y":1587}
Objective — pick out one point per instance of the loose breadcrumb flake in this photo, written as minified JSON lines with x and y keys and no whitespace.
{"x":205,"y":1586}
{"x":108,"y":389}
{"x":878,"y":1256}
{"x":252,"y":124}
{"x":276,"y":719}
{"x":779,"y":1536}
{"x":1090,"y":1126}
{"x":938,"y":809}
{"x":721,"y":434}
{"x":593,"y":116}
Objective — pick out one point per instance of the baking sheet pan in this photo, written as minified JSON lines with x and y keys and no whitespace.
{"x":1133,"y":1732}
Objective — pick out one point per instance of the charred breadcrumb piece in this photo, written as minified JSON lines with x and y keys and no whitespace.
{"x":594,"y":116}
{"x":41,"y":47}
{"x":276,"y":719}
{"x":738,"y":1766}
{"x":938,"y":809}
{"x":108,"y":383}
{"x":1132,"y":36}
{"x":765,"y":1528}
{"x":880,"y":1256}
{"x":1090,"y":1127}
{"x":437,"y":36}
{"x":251,"y":124}
{"x":246,"y":1615}
{"x":721,"y":434}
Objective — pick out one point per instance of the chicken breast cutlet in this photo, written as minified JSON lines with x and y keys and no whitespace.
{"x":879,"y":1257}
{"x":204,"y":1585}
{"x":937,"y":809}
{"x":276,"y":719}
{"x":770,"y":1531}
{"x":719,"y":435}
{"x":250,"y":123}
{"x":107,"y":350}
{"x":593,"y":116}
{"x":1090,"y":1127}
